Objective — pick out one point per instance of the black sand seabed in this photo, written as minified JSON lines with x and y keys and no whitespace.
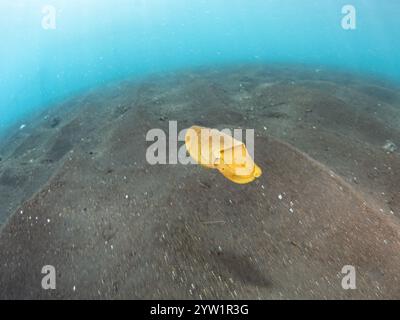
{"x":76,"y":191}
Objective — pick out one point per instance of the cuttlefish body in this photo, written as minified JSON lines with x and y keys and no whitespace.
{"x":216,"y":150}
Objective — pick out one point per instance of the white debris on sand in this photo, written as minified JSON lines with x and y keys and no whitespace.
{"x":390,"y":147}
{"x":22,"y":126}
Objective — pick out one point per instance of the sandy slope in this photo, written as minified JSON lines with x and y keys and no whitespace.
{"x":114,"y":226}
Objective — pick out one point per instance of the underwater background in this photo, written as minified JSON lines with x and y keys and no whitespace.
{"x":84,"y":187}
{"x":97,"y":41}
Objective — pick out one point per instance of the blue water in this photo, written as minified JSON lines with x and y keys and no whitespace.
{"x":97,"y":41}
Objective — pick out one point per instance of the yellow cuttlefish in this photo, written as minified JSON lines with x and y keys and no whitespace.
{"x":216,"y":150}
